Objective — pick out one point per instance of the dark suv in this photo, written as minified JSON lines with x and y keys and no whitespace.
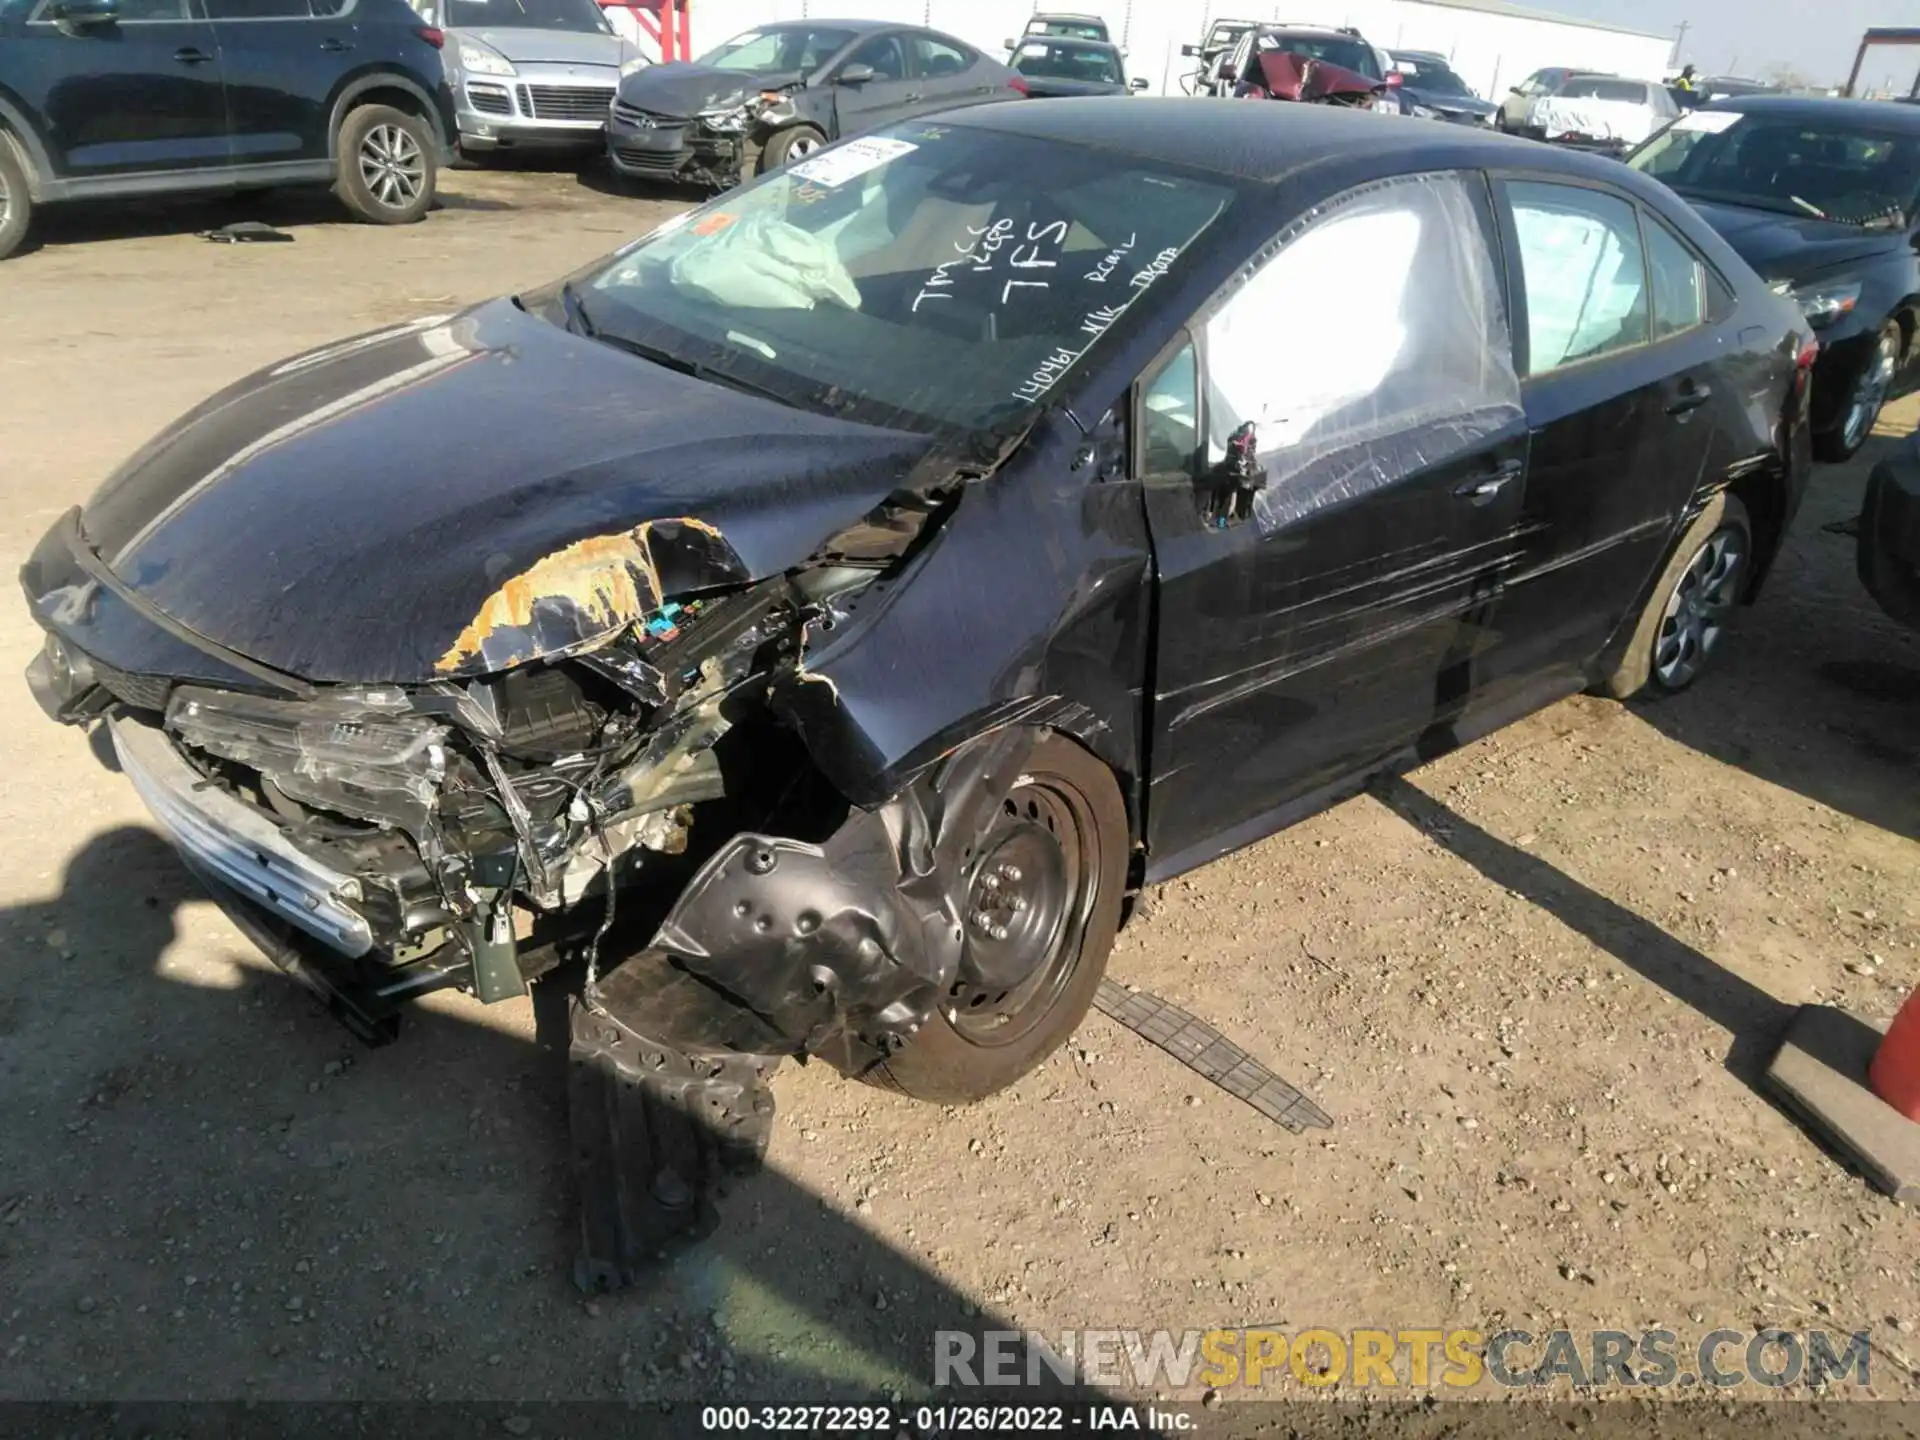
{"x":107,"y":98}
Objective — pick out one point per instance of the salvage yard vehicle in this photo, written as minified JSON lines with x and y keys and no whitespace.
{"x":1054,"y":67}
{"x":1427,"y":87}
{"x":531,"y":74}
{"x":1605,"y":113}
{"x":846,"y":596}
{"x":1214,"y":54}
{"x":1887,"y":540}
{"x":110,"y":99}
{"x":1520,"y":98}
{"x":1322,"y":67}
{"x":1821,"y":197}
{"x":781,"y":92}
{"x":1065,"y":25}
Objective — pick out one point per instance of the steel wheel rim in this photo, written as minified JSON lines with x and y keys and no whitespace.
{"x":1870,"y":391}
{"x":989,"y":1005}
{"x":1696,"y":612}
{"x":802,"y":146}
{"x":392,"y":167}
{"x":6,"y":202}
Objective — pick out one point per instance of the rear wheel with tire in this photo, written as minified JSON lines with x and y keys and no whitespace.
{"x":388,"y":167}
{"x":1687,"y":614}
{"x":1870,"y":388}
{"x":1043,"y":887}
{"x":16,"y":209}
{"x":796,"y":142}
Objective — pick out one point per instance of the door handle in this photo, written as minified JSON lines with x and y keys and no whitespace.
{"x":190,"y":56}
{"x":1689,"y":399}
{"x":334,"y":47}
{"x":1483,"y":488}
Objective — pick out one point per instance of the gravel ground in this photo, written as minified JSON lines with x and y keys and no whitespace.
{"x":1534,"y":983}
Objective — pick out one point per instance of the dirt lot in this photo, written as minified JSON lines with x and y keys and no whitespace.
{"x":1533,"y":983}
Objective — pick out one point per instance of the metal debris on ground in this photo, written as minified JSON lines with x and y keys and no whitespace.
{"x":244,"y":232}
{"x":1208,"y":1053}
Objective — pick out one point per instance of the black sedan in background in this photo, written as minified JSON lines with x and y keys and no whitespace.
{"x":781,"y":92}
{"x":872,"y":578}
{"x":1887,"y":551}
{"x":1819,"y":197}
{"x":1055,"y":67}
{"x":1427,"y":87}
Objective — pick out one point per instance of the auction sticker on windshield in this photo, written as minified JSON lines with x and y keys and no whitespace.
{"x":1713,"y":122}
{"x":851,"y":160}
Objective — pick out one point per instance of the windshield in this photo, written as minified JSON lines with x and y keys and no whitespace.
{"x":1066,"y":61}
{"x":1348,"y":54}
{"x":779,"y":48}
{"x":1074,"y":29}
{"x":1832,"y":169}
{"x":1438,"y":80}
{"x":927,"y":277}
{"x":526,"y":14}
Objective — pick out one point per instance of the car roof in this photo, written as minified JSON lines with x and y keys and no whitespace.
{"x":1065,"y":15}
{"x":1815,"y":107}
{"x":1268,"y":142}
{"x":859,"y":27}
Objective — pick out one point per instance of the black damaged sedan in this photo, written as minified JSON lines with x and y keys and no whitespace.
{"x":814,"y":622}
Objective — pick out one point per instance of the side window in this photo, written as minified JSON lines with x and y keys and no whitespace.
{"x":1373,"y":343}
{"x":1585,"y":281}
{"x":133,"y":12}
{"x":1679,"y":280}
{"x":933,"y":58}
{"x":885,"y":55}
{"x":257,"y":9}
{"x":1170,"y":419}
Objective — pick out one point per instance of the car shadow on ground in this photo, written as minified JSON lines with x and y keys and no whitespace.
{"x":1813,"y":689}
{"x":289,"y":209}
{"x":214,"y":1192}
{"x":1755,"y":1019}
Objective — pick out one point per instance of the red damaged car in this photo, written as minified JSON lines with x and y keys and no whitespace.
{"x":1322,"y":67}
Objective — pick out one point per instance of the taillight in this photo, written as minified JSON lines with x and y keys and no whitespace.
{"x":1396,"y":78}
{"x":1809,"y":352}
{"x":433,"y":35}
{"x":1019,"y":82}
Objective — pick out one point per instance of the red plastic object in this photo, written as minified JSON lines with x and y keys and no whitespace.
{"x":1895,"y":1072}
{"x":1019,"y":82}
{"x":433,"y":35}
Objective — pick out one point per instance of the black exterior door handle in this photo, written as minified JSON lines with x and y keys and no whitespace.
{"x":1483,"y":488}
{"x":190,"y":56}
{"x":334,"y":47}
{"x":1689,"y":400}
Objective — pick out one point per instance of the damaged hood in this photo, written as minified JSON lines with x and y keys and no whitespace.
{"x":682,"y":88}
{"x":461,"y":494}
{"x":1290,"y":76}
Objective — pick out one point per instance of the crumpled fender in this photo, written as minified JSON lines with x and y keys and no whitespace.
{"x":842,"y":950}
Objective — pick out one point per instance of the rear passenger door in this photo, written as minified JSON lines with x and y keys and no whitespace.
{"x":140,"y":94}
{"x":947,"y":73}
{"x":1617,"y":344}
{"x":282,"y":62}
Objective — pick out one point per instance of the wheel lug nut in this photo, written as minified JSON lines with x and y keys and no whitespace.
{"x":999,"y":932}
{"x":990,"y":881}
{"x":1019,"y":904}
{"x":1010,"y":872}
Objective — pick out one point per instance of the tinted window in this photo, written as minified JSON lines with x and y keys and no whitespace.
{"x":529,"y":14}
{"x":1679,"y":281}
{"x":257,"y":9}
{"x":885,"y":54}
{"x":1067,"y":61}
{"x":1586,"y":285}
{"x":1076,"y":29}
{"x":1170,"y":419}
{"x":780,"y":47}
{"x":1836,"y":169}
{"x":1335,"y":50}
{"x":935,"y":58}
{"x":134,"y":11}
{"x":1438,"y":80}
{"x":931,"y":277}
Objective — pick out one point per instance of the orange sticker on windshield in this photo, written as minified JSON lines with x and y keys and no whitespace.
{"x":713,"y":224}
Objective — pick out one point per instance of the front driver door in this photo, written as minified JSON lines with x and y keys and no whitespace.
{"x":890,"y":93}
{"x":1312,"y":627}
{"x":140,"y":93}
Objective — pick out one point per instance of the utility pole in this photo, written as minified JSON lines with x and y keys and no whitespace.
{"x":1679,"y":40}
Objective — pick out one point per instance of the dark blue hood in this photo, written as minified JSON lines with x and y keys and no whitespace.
{"x":1793,"y":247}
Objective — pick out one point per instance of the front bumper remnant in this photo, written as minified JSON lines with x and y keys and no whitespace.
{"x":654,"y":1131}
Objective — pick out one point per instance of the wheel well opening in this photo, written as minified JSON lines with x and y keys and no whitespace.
{"x":396,"y":97}
{"x":1764,"y":495}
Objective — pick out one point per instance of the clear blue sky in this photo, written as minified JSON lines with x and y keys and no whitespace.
{"x":1817,"y":39}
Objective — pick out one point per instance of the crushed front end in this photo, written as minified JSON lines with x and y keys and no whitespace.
{"x":621,"y":795}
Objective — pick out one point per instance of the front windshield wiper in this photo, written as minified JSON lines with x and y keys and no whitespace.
{"x":1808,"y":206}
{"x":685,"y":366}
{"x":578,"y":321}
